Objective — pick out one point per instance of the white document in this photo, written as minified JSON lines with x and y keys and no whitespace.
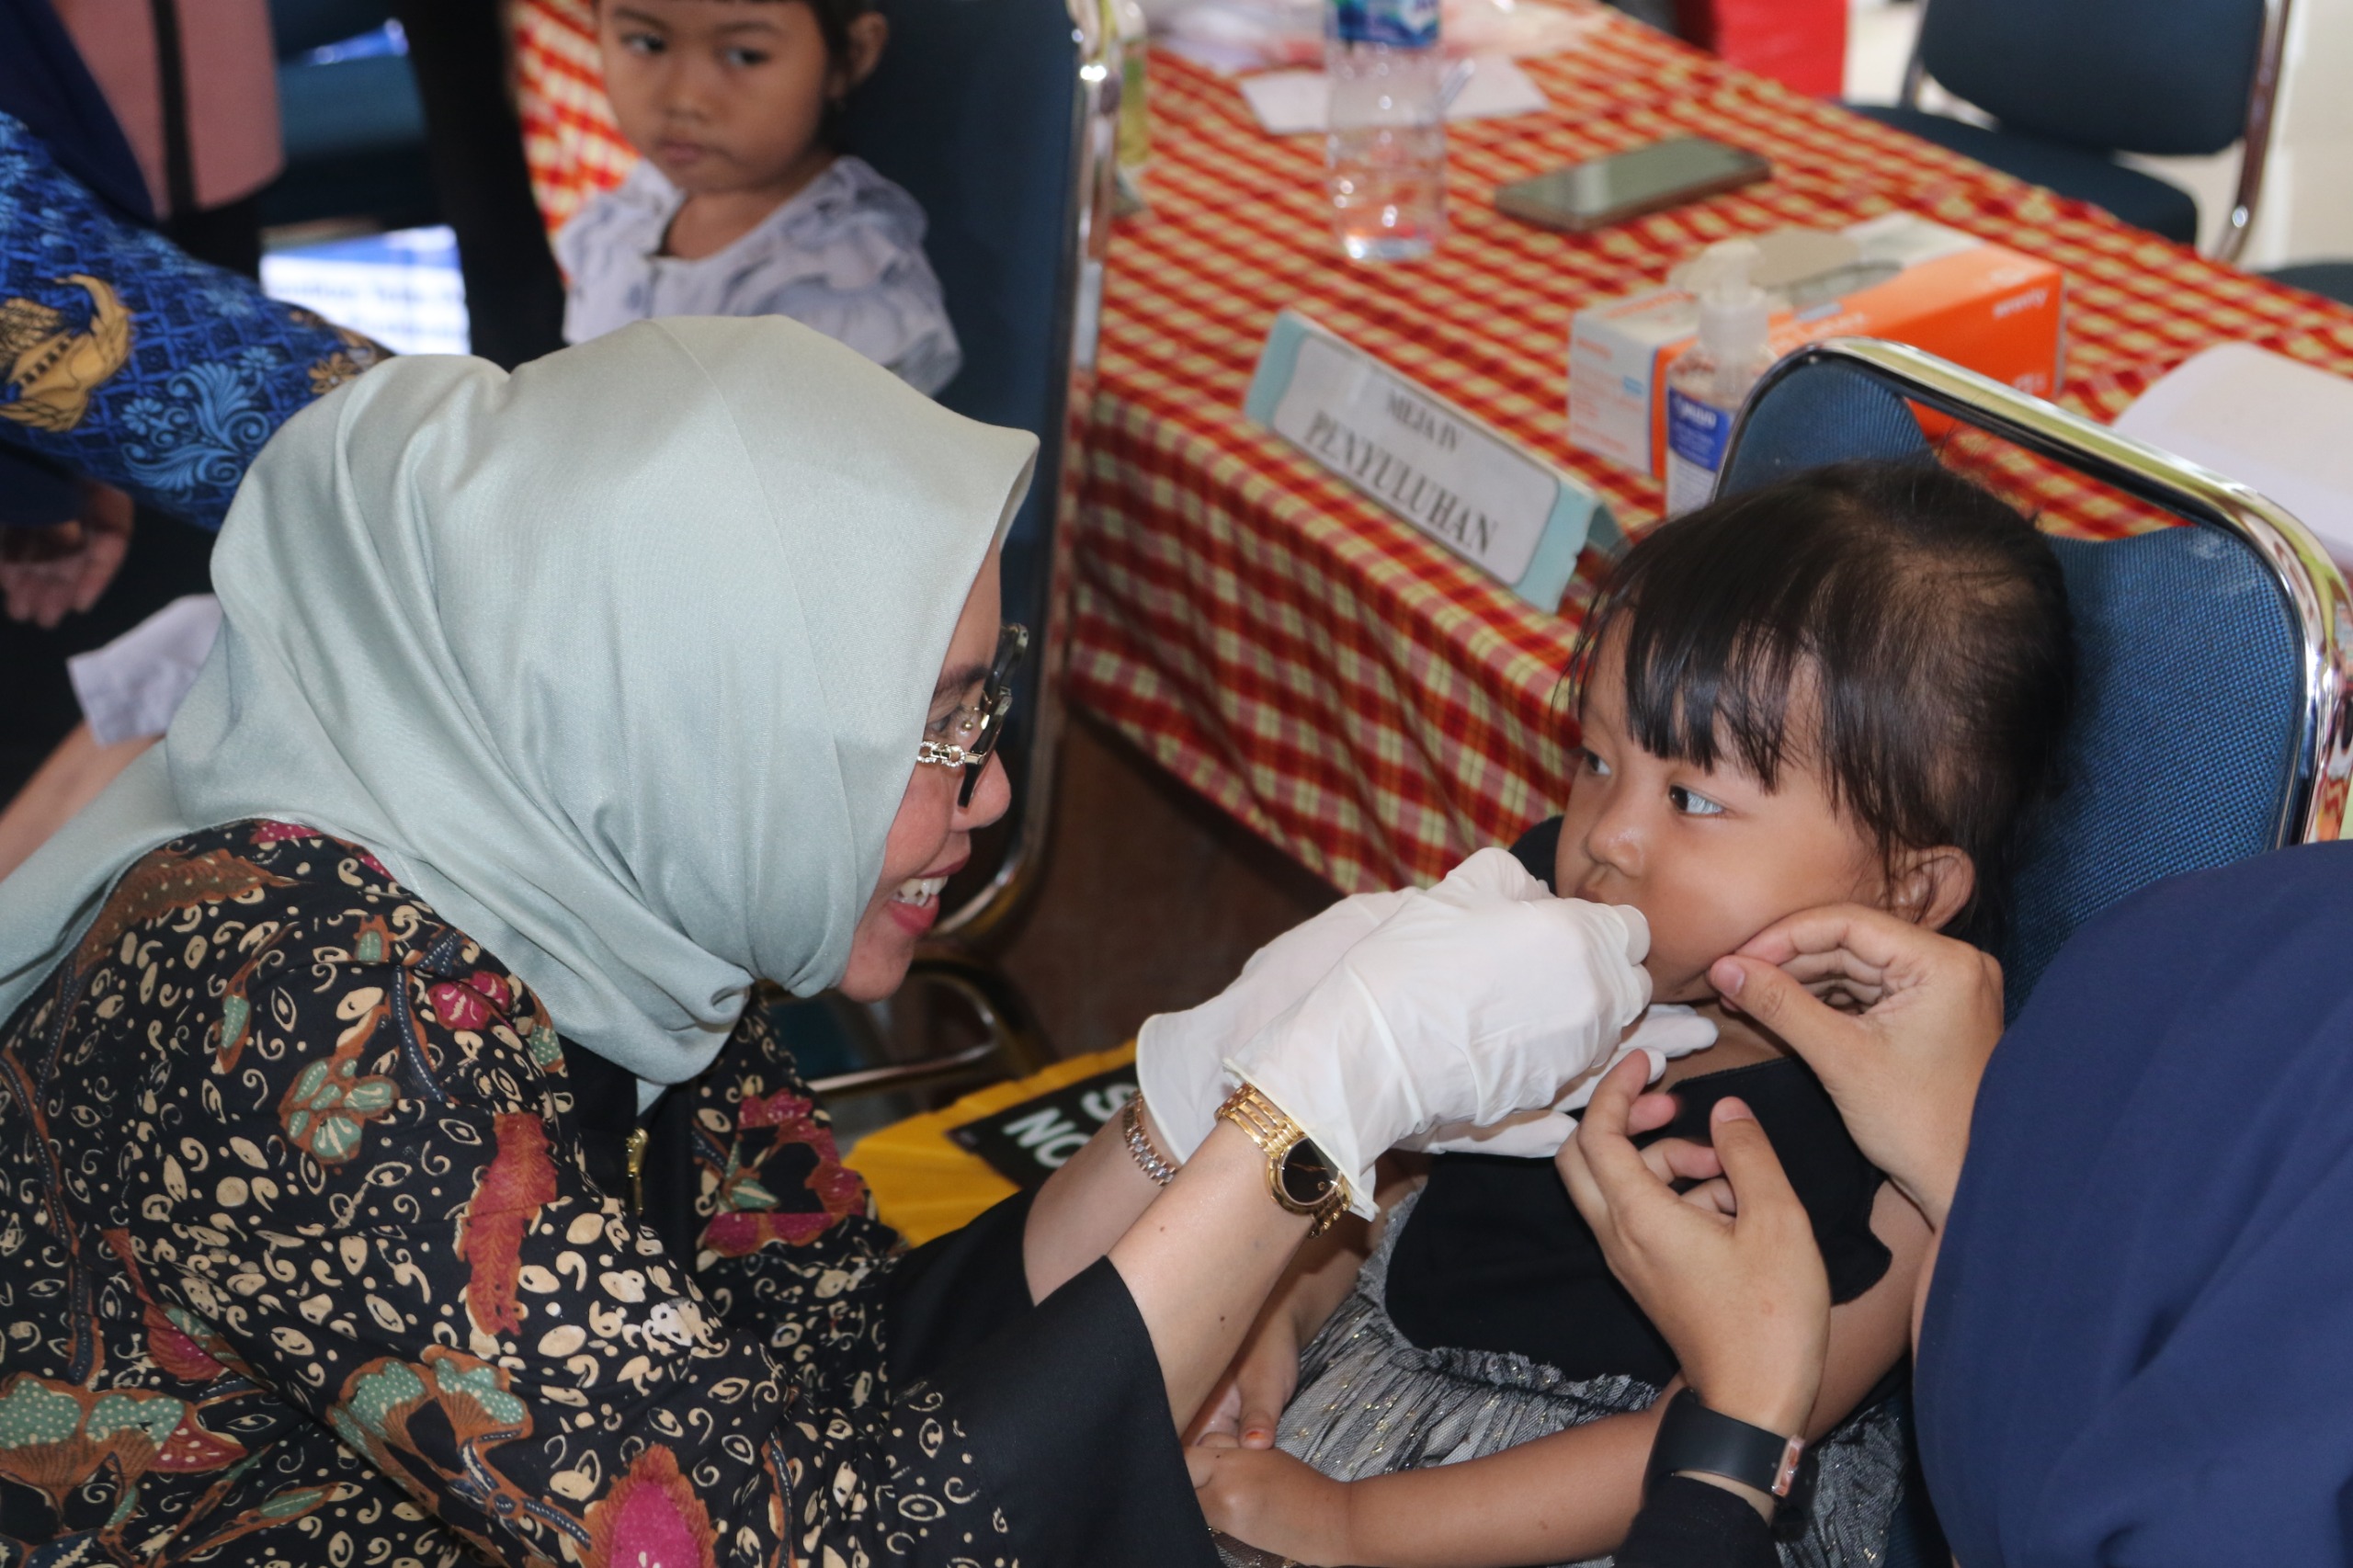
{"x":1291,"y":103}
{"x":2275,"y":425}
{"x":1466,"y":488}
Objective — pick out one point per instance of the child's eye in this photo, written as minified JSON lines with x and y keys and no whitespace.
{"x":1692,"y":803}
{"x":1592,"y":763}
{"x":743,"y":59}
{"x":641,"y":44}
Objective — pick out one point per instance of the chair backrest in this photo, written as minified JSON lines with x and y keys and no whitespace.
{"x":298,"y":27}
{"x":995,"y":115}
{"x":2211,"y":682}
{"x":2120,"y":76}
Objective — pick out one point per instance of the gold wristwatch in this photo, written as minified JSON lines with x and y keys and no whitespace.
{"x":1298,"y":1174}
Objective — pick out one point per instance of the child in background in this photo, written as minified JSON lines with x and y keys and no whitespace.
{"x":1846,"y":687}
{"x":743,"y":205}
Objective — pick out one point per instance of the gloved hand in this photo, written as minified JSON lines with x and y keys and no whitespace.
{"x":1667,"y":1030}
{"x":1474,"y":1000}
{"x":1180,"y":1057}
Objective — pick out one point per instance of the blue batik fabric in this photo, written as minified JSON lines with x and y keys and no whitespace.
{"x":130,"y":362}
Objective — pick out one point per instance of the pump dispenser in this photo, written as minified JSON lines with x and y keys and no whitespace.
{"x":1705,"y":389}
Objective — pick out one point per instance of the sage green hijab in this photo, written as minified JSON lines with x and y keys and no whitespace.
{"x":620,"y":662}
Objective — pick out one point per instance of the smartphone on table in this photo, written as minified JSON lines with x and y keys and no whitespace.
{"x":1601,"y":191}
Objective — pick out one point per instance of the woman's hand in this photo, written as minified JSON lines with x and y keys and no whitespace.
{"x":47,"y":571}
{"x":1728,"y":1272}
{"x":1247,"y":1401}
{"x":1904,"y":1068}
{"x":1273,"y":1502}
{"x":1180,"y":1057}
{"x":1477,"y":998}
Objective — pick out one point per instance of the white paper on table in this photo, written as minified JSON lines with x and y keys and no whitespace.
{"x":1232,"y":36}
{"x":2275,"y":425}
{"x":1291,"y":103}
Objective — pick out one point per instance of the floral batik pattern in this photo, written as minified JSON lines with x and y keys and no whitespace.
{"x":299,"y":1263}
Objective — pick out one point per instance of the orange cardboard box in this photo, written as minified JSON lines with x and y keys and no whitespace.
{"x":1978,"y":304}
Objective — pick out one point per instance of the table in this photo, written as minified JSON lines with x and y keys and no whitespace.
{"x":1351,"y":692}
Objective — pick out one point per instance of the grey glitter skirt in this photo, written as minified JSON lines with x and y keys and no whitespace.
{"x":1371,"y":1403}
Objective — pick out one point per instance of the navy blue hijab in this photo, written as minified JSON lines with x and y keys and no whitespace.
{"x":2139,"y":1347}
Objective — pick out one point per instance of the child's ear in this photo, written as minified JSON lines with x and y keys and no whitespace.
{"x":867,"y":34}
{"x":1928,"y":887}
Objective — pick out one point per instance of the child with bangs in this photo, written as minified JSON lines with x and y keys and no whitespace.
{"x":744,"y":203}
{"x":1846,"y":687}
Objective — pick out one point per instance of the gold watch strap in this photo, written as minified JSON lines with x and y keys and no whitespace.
{"x":1271,"y":1128}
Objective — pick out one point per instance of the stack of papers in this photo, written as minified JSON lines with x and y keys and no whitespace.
{"x":1233,"y":36}
{"x":2274,"y":424}
{"x":1291,"y":103}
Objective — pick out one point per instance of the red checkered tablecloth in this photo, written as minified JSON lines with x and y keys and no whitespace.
{"x":1353,"y":693}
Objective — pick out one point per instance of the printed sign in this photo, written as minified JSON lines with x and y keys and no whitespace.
{"x":1029,"y":1141}
{"x":1425,"y":460}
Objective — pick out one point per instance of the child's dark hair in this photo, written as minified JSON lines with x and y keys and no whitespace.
{"x":1924,"y":618}
{"x":834,"y":17}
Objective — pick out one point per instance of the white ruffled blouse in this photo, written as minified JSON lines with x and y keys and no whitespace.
{"x":845,"y":255}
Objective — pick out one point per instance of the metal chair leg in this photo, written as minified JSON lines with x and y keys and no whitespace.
{"x":1014,"y":1037}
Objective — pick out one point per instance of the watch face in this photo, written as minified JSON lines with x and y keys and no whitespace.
{"x":1308,"y":1176}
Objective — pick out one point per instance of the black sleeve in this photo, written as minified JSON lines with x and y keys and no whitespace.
{"x":1689,"y":1524}
{"x":1063,"y":1400}
{"x":1536,"y":848}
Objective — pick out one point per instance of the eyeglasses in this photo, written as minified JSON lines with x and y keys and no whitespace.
{"x":972,"y":729}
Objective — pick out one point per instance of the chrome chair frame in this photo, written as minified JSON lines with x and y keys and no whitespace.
{"x":950,"y":958}
{"x":1095,"y":123}
{"x":2254,"y":143}
{"x":2316,"y":596}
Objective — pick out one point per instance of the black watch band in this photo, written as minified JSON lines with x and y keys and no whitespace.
{"x":1693,"y":1438}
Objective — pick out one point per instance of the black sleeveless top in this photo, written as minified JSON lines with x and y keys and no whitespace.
{"x":1495,"y":1257}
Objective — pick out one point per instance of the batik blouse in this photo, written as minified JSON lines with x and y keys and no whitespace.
{"x":303,"y":1260}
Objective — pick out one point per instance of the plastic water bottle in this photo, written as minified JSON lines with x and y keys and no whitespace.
{"x":1385,"y":158}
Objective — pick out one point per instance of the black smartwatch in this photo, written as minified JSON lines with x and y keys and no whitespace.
{"x":1693,"y":1438}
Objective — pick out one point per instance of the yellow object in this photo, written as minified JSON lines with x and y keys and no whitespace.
{"x":54,"y":370}
{"x":634,"y":1152}
{"x":924,"y":1184}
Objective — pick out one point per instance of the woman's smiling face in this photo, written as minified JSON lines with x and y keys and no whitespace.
{"x":1709,"y":854}
{"x":932,"y":836}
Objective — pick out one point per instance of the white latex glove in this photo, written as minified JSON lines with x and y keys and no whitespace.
{"x":1667,"y":1030}
{"x":1474,"y":1000}
{"x":1180,"y":1057}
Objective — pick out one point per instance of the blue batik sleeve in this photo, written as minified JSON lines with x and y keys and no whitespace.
{"x":123,"y":360}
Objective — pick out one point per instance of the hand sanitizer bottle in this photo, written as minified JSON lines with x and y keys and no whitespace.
{"x":1705,"y":387}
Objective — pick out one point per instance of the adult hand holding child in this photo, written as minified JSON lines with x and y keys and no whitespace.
{"x":1754,"y":1341}
{"x":1903,"y":1061}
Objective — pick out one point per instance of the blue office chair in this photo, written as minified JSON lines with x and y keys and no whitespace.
{"x":2215,"y":704}
{"x":2071,"y":82}
{"x":1000,"y":118}
{"x":2332,"y":279}
{"x":353,"y":122}
{"x":2214,"y":716}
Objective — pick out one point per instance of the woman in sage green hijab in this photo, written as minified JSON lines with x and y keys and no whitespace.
{"x":392,"y":1165}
